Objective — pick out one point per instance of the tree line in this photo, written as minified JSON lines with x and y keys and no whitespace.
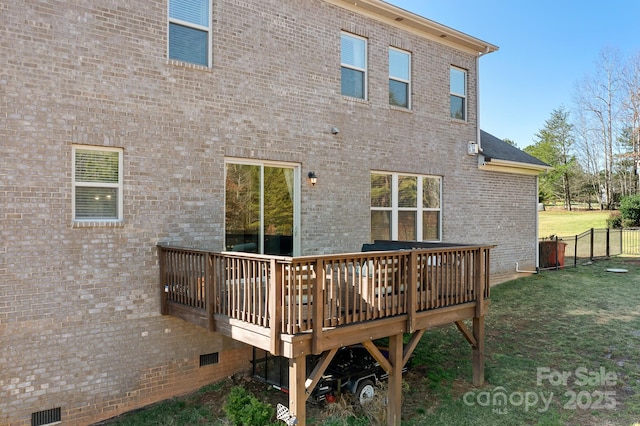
{"x":594,"y":149}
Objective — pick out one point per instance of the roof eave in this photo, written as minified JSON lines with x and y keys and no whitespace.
{"x":506,"y":166}
{"x":416,"y":24}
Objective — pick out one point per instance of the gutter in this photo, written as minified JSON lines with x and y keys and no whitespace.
{"x":487,"y":50}
{"x":517,"y":164}
{"x":416,"y":24}
{"x":478,"y":101}
{"x":533,"y":169}
{"x":537,"y":225}
{"x":505,"y":166}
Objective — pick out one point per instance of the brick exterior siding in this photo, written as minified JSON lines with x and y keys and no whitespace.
{"x":80,"y":323}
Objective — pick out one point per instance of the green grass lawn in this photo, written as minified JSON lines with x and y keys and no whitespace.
{"x":564,"y":223}
{"x":561,"y":349}
{"x":565,"y":341}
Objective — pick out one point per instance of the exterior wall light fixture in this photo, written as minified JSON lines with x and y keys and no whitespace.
{"x":312,"y":178}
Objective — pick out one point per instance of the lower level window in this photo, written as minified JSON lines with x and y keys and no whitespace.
{"x":405,"y":207}
{"x":97,"y":183}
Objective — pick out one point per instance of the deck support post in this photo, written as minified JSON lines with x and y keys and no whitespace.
{"x":394,"y":409}
{"x":481,"y":265}
{"x":478,"y":351}
{"x":297,"y":388}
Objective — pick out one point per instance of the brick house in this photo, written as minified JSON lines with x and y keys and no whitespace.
{"x":201,"y":124}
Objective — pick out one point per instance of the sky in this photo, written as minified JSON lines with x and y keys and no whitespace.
{"x":546,"y":47}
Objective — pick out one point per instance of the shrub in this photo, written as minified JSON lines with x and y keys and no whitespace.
{"x":614,"y":220}
{"x":244,"y":409}
{"x":630,"y":209}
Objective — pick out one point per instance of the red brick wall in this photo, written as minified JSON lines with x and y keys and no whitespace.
{"x":80,"y":323}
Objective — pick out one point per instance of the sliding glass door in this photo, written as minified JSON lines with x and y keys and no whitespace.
{"x":260,"y":208}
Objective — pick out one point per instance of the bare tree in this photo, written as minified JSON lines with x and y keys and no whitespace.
{"x":586,"y":149}
{"x":631,"y":82}
{"x":599,"y":96}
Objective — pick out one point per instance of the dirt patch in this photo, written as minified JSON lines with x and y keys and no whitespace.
{"x":629,"y":260}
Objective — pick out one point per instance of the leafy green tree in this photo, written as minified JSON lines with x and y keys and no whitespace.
{"x":546,"y":152}
{"x":630,"y":210}
{"x":553,"y":146}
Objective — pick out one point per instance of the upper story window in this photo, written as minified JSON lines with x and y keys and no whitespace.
{"x":405,"y":207}
{"x":190,"y":31}
{"x":399,"y":78}
{"x":97,"y":183}
{"x":458,"y":93}
{"x":353,"y":62}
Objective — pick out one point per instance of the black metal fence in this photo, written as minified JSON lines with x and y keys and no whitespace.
{"x":559,"y":252}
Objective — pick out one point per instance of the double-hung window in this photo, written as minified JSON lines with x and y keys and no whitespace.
{"x":399,"y":78}
{"x":405,"y":207}
{"x":458,"y":93}
{"x":353,"y":63}
{"x":97,"y":183}
{"x":190,"y":31}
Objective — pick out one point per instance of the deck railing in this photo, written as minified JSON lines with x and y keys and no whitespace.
{"x":289,"y":295}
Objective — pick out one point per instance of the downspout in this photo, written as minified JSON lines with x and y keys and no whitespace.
{"x":478,"y":134}
{"x":478,"y":99}
{"x":538,"y":224}
{"x":537,"y":237}
{"x":480,"y":54}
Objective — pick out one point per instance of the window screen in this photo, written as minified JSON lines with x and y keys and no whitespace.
{"x":97,"y":184}
{"x":189,"y":31}
{"x":353,"y":58}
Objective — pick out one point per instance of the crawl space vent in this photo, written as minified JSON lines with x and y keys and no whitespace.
{"x":208,"y":359}
{"x":46,"y":417}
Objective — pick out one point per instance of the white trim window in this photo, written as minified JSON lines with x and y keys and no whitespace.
{"x":262,"y":207}
{"x":97,"y":183}
{"x":353,"y":66}
{"x":190,"y":31}
{"x":458,"y":93}
{"x":399,"y":78}
{"x":406,"y":207}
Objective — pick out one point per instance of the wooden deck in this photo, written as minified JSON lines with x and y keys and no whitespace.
{"x":295,"y":306}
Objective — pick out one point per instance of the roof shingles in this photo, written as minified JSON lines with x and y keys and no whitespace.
{"x":494,"y":148}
